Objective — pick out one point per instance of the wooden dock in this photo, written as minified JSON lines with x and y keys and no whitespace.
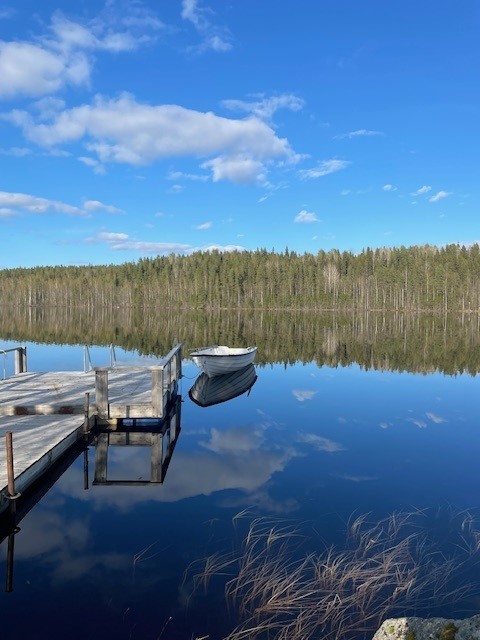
{"x":48,"y":412}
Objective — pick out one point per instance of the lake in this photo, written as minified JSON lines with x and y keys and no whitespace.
{"x":341,"y":487}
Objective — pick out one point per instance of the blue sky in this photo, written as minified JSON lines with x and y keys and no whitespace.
{"x":132,"y":129}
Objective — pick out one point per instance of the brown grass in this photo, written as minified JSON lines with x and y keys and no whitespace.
{"x":280,"y":591}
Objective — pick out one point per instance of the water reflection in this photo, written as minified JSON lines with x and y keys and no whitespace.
{"x":158,"y":436}
{"x":415,"y":342}
{"x":209,"y":391}
{"x":311,"y":444}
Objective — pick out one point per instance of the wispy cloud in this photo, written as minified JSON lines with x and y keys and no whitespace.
{"x":422,"y":190}
{"x":351,"y":478}
{"x":320,"y":443}
{"x":24,"y":203}
{"x":94,"y":164}
{"x":389,"y":187}
{"x":435,"y":418}
{"x":266,"y":107}
{"x":306,"y":217}
{"x":204,"y":226}
{"x":417,"y":422}
{"x":359,"y":133}
{"x":96,"y":205}
{"x":213,"y":36}
{"x":304,"y":394}
{"x":324,"y":168}
{"x":117,"y":241}
{"x":179,"y":175}
{"x":440,"y":196}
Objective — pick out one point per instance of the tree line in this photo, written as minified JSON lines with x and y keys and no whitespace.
{"x":419,"y":278}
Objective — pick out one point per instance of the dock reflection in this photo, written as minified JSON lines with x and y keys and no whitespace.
{"x":160,"y":435}
{"x":210,"y":391}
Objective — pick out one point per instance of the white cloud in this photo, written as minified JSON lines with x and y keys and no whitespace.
{"x":214,"y":37}
{"x":34,"y":204}
{"x":306,"y":217}
{"x":359,"y":133}
{"x":122,"y":242}
{"x":179,"y":175}
{"x":30,"y":70}
{"x":112,"y":237}
{"x":303,"y":394}
{"x":421,"y":191}
{"x":227,"y":248}
{"x":389,"y":187}
{"x":96,"y":205}
{"x":204,"y":226}
{"x":439,"y":196}
{"x":265,"y":108}
{"x":239,"y":169}
{"x":323,"y":168}
{"x":435,"y":418}
{"x":63,"y":56}
{"x":18,"y":203}
{"x":124,"y":131}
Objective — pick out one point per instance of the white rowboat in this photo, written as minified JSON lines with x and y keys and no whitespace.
{"x":218,"y":360}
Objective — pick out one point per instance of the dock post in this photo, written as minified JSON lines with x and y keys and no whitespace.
{"x":156,"y":464}
{"x":11,"y":495}
{"x":20,"y":360}
{"x":86,"y":421}
{"x":101,"y":391}
{"x":85,"y":469}
{"x":157,"y":391}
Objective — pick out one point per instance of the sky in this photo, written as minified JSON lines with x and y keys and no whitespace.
{"x":131,"y":129}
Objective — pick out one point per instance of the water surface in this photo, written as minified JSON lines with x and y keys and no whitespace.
{"x":309,"y":448}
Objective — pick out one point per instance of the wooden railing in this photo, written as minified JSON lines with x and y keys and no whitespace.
{"x":20,"y":360}
{"x":164,"y":383}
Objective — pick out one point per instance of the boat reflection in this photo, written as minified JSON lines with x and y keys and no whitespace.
{"x":210,"y":391}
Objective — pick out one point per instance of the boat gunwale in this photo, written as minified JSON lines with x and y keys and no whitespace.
{"x":198,"y":353}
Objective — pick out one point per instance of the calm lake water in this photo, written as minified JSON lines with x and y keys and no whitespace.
{"x":294,"y":462}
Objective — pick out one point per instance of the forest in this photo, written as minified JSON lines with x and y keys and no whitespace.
{"x":418,"y":278}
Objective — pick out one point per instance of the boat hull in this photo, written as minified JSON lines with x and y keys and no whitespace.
{"x":217,"y":361}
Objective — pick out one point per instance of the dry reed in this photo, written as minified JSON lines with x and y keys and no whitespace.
{"x":280,"y":591}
